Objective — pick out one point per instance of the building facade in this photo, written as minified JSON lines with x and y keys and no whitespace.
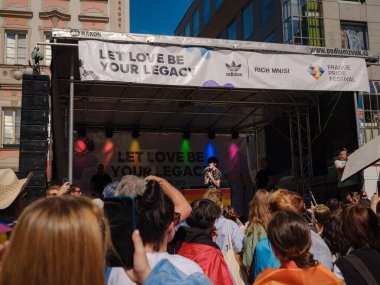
{"x":341,"y":24}
{"x":351,"y":24}
{"x":23,"y":23}
{"x":348,"y":24}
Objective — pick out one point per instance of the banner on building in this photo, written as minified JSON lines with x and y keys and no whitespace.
{"x":198,"y":66}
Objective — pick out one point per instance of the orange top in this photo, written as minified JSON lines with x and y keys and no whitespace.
{"x":292,"y":275}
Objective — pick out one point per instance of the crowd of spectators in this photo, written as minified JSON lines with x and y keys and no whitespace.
{"x":65,"y":237}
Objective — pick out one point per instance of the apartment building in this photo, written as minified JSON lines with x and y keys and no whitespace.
{"x":335,"y":24}
{"x":23,"y":23}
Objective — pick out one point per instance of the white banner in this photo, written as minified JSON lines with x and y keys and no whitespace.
{"x":197,"y":66}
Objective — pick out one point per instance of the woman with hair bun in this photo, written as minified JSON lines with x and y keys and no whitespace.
{"x":290,"y":238}
{"x":156,"y":220}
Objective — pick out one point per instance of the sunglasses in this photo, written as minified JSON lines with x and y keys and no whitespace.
{"x":176,"y":218}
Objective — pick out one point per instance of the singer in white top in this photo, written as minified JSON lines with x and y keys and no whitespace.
{"x":212,"y":174}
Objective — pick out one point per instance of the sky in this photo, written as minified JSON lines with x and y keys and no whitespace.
{"x":159,"y":17}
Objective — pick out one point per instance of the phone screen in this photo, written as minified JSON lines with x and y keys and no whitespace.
{"x":307,"y":200}
{"x":120,"y":212}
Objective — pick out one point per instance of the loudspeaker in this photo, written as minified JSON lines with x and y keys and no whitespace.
{"x":29,"y":147}
{"x":34,"y":132}
{"x":35,"y":84}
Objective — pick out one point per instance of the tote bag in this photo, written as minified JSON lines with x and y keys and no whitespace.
{"x":237,"y":274}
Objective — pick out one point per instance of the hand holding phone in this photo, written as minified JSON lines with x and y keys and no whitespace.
{"x":64,"y":188}
{"x":120,"y":212}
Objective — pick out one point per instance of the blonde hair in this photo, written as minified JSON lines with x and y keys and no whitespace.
{"x":214,"y":195}
{"x":285,"y":200}
{"x":321,"y":213}
{"x":57,"y":241}
{"x":259,"y":213}
{"x":53,"y":187}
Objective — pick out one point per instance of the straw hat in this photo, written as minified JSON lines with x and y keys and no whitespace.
{"x":10,"y":187}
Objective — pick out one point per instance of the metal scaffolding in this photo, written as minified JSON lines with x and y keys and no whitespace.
{"x":301,"y":153}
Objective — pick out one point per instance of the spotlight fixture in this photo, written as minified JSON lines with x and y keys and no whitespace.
{"x":186,"y":133}
{"x":135,"y":131}
{"x":234,"y":134}
{"x":211,"y":133}
{"x":109,"y":131}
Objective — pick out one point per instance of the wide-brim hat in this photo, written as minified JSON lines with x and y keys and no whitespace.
{"x":10,"y":187}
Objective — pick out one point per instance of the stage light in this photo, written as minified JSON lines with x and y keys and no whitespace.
{"x":210,"y":150}
{"x":109,"y":131}
{"x":80,"y":146}
{"x":211,"y":133}
{"x":135,"y":131}
{"x":234,"y":134}
{"x":185,"y":149}
{"x":186,"y":134}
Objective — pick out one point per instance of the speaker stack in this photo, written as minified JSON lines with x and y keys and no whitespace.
{"x":34,"y":132}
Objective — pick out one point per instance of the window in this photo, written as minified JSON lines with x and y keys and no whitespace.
{"x":47,"y":53}
{"x":303,"y":22}
{"x":248,"y":21}
{"x":11,"y":126}
{"x":356,"y":1}
{"x":187,"y":30}
{"x":354,"y":36}
{"x":196,"y":22}
{"x":368,"y":113}
{"x":266,"y":10}
{"x":231,"y":31}
{"x":218,"y":3}
{"x":15,"y":48}
{"x":270,"y":38}
{"x":206,"y":11}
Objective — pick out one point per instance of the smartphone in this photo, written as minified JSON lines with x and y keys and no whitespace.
{"x":307,"y":200}
{"x":65,"y":180}
{"x":121,"y":215}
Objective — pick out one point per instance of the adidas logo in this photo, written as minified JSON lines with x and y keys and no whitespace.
{"x":233,"y":68}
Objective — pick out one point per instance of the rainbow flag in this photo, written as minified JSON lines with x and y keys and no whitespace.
{"x":196,"y":194}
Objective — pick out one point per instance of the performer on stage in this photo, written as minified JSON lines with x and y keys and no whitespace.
{"x":212,"y":174}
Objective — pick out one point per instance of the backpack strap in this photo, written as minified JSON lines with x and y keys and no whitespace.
{"x":361,"y":268}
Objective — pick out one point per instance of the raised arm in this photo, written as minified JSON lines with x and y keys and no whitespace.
{"x":180,"y":203}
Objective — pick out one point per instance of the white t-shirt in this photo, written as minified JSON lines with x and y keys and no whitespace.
{"x":187,"y":266}
{"x":353,"y":180}
{"x":339,"y":164}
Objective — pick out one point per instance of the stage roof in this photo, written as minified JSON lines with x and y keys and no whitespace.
{"x":163,"y":108}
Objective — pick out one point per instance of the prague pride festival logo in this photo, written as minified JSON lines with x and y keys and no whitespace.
{"x":316,"y":71}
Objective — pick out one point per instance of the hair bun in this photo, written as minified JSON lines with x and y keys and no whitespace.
{"x":152,"y":195}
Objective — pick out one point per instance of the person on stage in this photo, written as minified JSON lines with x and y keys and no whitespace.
{"x":212,"y":174}
{"x":349,"y":185}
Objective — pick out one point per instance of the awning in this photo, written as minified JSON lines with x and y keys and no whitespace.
{"x":362,"y":158}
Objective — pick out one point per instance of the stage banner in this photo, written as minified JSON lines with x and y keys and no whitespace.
{"x":198,"y":66}
{"x":178,"y":160}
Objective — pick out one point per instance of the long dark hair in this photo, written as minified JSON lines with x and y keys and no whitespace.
{"x":289,"y":235}
{"x":361,"y":227}
{"x":333,"y":234}
{"x":154,"y":213}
